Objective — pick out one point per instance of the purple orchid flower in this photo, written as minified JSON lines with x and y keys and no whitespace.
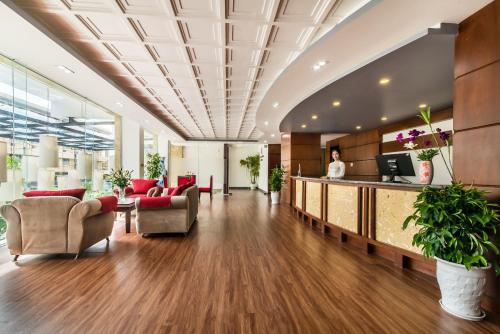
{"x":444,"y":136}
{"x":399,"y":137}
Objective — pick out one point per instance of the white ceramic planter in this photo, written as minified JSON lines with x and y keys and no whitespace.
{"x":461,"y":289}
{"x":253,"y":186}
{"x":426,"y":172}
{"x":275,"y":197}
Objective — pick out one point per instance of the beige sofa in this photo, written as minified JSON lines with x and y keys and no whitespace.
{"x":55,"y":225}
{"x":177,"y":218}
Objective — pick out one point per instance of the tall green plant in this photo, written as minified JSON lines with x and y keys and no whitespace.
{"x":14,"y":162}
{"x":455,"y":222}
{"x":153,"y":166}
{"x":276,"y":179}
{"x":252,"y":164}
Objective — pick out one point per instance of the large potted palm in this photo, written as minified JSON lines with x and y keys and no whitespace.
{"x":276,"y":181}
{"x":252,"y":164}
{"x":457,"y":225}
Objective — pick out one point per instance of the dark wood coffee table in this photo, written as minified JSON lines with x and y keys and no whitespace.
{"x":126,"y":205}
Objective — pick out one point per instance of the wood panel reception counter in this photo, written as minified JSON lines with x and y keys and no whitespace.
{"x":368,"y":215}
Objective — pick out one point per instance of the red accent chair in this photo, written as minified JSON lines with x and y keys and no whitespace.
{"x":165,"y":181}
{"x":208,"y":189}
{"x":181,"y":180}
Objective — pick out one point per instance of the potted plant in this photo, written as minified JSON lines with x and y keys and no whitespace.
{"x":153,"y":166}
{"x":252,"y":164}
{"x":425,"y":156}
{"x":456,"y":228}
{"x":276,"y":181}
{"x":119,"y":178}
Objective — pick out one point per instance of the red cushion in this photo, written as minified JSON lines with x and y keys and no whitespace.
{"x":154,"y":202}
{"x":178,"y":191}
{"x":141,"y":186}
{"x":204,"y":189}
{"x":136,"y":196}
{"x":77,"y":193}
{"x":108,"y":203}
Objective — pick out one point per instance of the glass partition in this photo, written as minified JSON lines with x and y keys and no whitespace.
{"x":55,"y":139}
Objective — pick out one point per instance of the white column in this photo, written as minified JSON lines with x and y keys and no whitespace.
{"x":133,"y":147}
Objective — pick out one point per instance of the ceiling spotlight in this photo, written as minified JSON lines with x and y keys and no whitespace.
{"x":314,"y":116}
{"x":384,"y":81}
{"x":276,"y":104}
{"x":383,"y":118}
{"x":272,"y":134}
{"x":422,"y":106}
{"x":65,"y":69}
{"x":303,"y":126}
{"x":358,"y":127}
{"x":336,"y":103}
{"x":319,"y":65}
{"x":266,"y":123}
{"x":147,"y":121}
{"x":119,"y":104}
{"x":265,"y":141}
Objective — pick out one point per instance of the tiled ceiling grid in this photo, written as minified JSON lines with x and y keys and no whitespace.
{"x":202,"y":66}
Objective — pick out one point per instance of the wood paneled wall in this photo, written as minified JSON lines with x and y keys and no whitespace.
{"x":303,"y":149}
{"x":358,"y":152}
{"x":477,"y":98}
{"x":476,"y":155}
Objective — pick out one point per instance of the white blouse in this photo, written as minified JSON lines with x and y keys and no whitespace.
{"x":336,"y":169}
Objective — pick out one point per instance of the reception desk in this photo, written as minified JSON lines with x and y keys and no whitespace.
{"x":368,"y":215}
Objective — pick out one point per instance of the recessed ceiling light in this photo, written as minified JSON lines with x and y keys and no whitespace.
{"x":276,"y":104}
{"x":265,"y":141}
{"x":303,"y":126}
{"x":147,"y":121}
{"x":422,"y":106}
{"x":314,"y":116}
{"x":384,"y":81}
{"x":119,"y":104}
{"x":272,"y":134}
{"x":358,"y":127}
{"x":383,"y":118}
{"x":336,"y":103}
{"x":65,"y":69}
{"x":266,"y":123}
{"x":319,"y":65}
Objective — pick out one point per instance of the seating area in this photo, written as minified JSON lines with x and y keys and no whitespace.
{"x":250,"y":166}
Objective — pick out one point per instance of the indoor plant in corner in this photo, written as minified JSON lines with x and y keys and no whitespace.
{"x":456,"y":228}
{"x":276,"y":181}
{"x":252,"y":164}
{"x":153,"y":166}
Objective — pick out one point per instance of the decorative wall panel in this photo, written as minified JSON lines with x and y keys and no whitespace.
{"x":392,"y":208}
{"x":342,"y":207}
{"x":313,"y":199}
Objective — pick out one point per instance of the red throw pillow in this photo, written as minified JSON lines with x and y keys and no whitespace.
{"x":77,"y":193}
{"x":154,"y":202}
{"x":141,"y":186}
{"x":108,"y":203}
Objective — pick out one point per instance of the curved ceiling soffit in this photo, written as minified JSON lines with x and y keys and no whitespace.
{"x":376,"y":29}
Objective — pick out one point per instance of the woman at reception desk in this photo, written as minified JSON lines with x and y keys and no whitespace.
{"x":336,"y":168}
{"x":368,"y":215}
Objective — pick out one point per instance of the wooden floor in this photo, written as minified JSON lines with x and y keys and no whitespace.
{"x":245,"y":267}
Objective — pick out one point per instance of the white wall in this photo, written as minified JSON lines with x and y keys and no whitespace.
{"x":239,"y":176}
{"x":202,"y":159}
{"x":263,"y":183}
{"x":132,"y":147}
{"x":441,"y":175}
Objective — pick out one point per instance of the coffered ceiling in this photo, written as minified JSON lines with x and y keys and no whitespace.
{"x":201,"y":66}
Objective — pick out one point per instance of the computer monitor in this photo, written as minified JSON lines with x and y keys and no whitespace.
{"x":395,"y":165}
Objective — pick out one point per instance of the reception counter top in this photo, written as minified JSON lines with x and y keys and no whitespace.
{"x":367,"y":214}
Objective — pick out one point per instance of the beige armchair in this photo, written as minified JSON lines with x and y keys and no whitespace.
{"x":53,"y":225}
{"x":176,"y":218}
